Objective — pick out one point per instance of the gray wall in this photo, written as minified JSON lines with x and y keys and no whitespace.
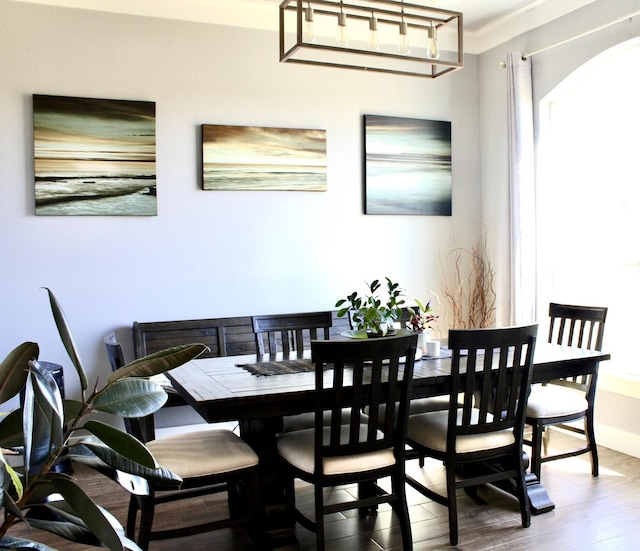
{"x":208,"y":254}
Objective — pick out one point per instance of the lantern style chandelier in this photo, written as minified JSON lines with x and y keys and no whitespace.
{"x":386,"y":36}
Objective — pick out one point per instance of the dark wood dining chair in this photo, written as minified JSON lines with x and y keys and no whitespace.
{"x":565,"y":400}
{"x":288,"y":333}
{"x":208,"y":461}
{"x":354,"y":373}
{"x":487,"y":428}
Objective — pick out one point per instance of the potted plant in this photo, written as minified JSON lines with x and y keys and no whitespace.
{"x":420,"y":322}
{"x":47,"y":430}
{"x":369,"y":313}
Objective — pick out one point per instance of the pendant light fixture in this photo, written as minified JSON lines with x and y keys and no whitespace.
{"x":386,"y":36}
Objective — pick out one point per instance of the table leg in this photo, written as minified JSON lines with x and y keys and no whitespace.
{"x":260,"y":434}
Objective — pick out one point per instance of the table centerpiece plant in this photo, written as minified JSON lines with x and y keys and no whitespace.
{"x":369,"y":314}
{"x":47,"y":431}
{"x":421,"y":321}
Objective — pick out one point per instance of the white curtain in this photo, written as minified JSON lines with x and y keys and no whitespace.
{"x":522,"y":200}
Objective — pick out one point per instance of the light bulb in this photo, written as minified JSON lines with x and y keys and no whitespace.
{"x":373,"y":42}
{"x":309,"y":32}
{"x":433,"y":52}
{"x":403,"y":42}
{"x":342,"y":37}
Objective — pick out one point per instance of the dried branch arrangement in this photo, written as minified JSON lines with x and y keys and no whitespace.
{"x":469,"y":287}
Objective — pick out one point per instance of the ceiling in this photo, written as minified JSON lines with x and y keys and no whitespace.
{"x":487,"y":23}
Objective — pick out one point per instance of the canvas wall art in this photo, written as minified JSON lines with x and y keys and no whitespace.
{"x":94,"y":156}
{"x":255,"y":158}
{"x":407,"y":166}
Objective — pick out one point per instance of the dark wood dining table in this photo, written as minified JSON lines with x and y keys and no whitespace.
{"x":224,"y":389}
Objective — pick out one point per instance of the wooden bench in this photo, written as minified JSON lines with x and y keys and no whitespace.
{"x":224,"y":336}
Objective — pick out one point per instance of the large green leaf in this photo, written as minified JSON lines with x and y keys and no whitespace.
{"x":11,"y":430}
{"x":122,"y":443}
{"x":14,"y":369}
{"x":48,"y":389}
{"x":42,"y":418}
{"x":131,"y":398}
{"x":89,"y":512}
{"x":57,"y":518}
{"x":99,"y":457}
{"x":67,"y":339}
{"x":160,"y":362}
{"x":8,"y":543}
{"x":72,"y":409}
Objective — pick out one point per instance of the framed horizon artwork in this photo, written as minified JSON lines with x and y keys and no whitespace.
{"x":407,"y":166}
{"x":252,"y":158}
{"x":94,"y":156}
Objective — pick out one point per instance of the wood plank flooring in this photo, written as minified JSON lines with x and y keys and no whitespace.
{"x":591,"y":514}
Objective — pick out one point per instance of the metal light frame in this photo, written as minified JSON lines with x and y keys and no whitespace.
{"x":418,"y":18}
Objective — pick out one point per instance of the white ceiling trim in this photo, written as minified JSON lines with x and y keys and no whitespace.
{"x":258,"y":14}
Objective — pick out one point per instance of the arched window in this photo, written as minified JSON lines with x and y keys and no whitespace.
{"x":588,"y":191}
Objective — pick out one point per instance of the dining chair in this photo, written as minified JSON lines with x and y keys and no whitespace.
{"x":484,"y":424}
{"x":354,"y":373}
{"x":289,"y":333}
{"x":563,"y":401}
{"x":208,"y":461}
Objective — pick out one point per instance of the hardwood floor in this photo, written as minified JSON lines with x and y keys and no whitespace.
{"x":591,"y":514}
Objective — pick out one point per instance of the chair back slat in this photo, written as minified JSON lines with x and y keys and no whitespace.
{"x":491,"y":370}
{"x":358,"y":373}
{"x":580,"y":327}
{"x":289,"y":333}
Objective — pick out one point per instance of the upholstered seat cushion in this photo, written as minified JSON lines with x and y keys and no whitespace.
{"x":203,"y":453}
{"x":430,"y":430}
{"x":298,"y":449}
{"x":555,"y":401}
{"x":304,"y":421}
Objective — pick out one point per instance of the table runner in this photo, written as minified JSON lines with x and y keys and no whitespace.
{"x":279,"y":367}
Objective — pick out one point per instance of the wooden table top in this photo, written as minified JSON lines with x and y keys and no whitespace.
{"x":221,"y":390}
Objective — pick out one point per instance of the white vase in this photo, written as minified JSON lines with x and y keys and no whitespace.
{"x":422,"y":340}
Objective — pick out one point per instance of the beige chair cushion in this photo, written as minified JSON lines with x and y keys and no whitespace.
{"x":555,"y":401}
{"x":203,"y":453}
{"x":304,"y":421}
{"x":430,"y":430}
{"x":298,"y":449}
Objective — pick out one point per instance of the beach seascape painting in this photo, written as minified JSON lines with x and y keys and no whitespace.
{"x":407,"y":166}
{"x":258,"y":158}
{"x":94,"y":156}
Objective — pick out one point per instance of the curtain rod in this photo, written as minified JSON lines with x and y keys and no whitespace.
{"x":601,"y":27}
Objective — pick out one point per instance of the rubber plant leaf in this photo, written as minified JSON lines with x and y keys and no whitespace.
{"x":8,"y":542}
{"x":8,"y":473}
{"x":131,"y":398}
{"x":11,"y":430}
{"x":14,"y":369}
{"x":41,"y":418}
{"x":57,"y":518}
{"x":160,"y":362}
{"x":122,"y":443}
{"x":89,"y":512}
{"x":99,"y":457}
{"x":67,"y":339}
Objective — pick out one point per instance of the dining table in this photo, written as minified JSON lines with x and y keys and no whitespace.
{"x":259,"y":392}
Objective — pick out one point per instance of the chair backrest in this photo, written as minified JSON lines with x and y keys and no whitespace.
{"x":579,"y":326}
{"x":364,"y":372}
{"x":142,"y":428}
{"x":494,"y":398}
{"x":289,"y":332}
{"x":223,"y":336}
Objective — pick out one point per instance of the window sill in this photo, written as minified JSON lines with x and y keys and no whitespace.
{"x":625,"y":384}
